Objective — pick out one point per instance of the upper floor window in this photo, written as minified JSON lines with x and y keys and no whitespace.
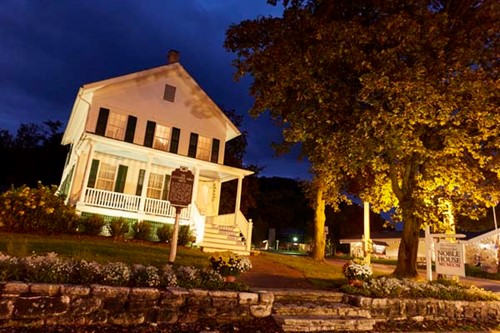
{"x":169,"y":93}
{"x":162,"y":137}
{"x":116,"y":126}
{"x":203,"y":151}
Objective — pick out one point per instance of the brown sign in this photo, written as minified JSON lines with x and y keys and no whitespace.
{"x":181,"y":188}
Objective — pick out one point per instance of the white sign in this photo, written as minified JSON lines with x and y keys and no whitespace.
{"x":450,"y":258}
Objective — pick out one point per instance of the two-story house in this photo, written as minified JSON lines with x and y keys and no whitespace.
{"x":127,"y":134}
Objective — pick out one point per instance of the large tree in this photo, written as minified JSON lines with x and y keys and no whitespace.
{"x":395,"y":101}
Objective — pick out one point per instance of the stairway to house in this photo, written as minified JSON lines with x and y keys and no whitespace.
{"x":318,"y":311}
{"x":223,"y":238}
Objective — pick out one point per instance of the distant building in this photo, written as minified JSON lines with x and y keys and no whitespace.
{"x":126,"y":136}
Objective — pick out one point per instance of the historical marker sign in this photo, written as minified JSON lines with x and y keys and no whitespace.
{"x":181,"y":188}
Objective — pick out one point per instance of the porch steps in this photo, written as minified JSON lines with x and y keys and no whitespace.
{"x":311,"y":311}
{"x":219,"y":239}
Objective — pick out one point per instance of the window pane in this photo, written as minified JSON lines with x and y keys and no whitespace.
{"x":155,"y":185}
{"x":116,"y":126}
{"x":162,"y":135}
{"x":203,"y":151}
{"x":106,"y":177}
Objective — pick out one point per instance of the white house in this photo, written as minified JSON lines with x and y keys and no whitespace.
{"x":126,"y":136}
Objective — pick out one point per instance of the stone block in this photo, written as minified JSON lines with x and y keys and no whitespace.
{"x":114,"y":298}
{"x":261,"y":311}
{"x":84,"y":306}
{"x":198,"y":293}
{"x":45,"y":289}
{"x":15,"y":288}
{"x":173,"y":297}
{"x":127,"y":318}
{"x":223,"y":294}
{"x":74,"y":290}
{"x":98,"y":317}
{"x":40,"y":306}
{"x":148,"y":294}
{"x":248,"y":298}
{"x":266,"y":297}
{"x":167,"y":316}
{"x":6,"y":308}
{"x":225,"y":304}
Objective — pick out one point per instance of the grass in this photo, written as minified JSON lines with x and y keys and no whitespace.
{"x":100,"y":249}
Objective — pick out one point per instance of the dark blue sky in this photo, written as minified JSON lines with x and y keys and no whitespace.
{"x":49,"y":48}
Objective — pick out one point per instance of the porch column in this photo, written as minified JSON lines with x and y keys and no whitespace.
{"x":238,"y":199}
{"x":196,"y":182}
{"x":87,"y":173}
{"x":145,"y":183}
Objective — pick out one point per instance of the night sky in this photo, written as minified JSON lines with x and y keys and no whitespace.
{"x":49,"y":48}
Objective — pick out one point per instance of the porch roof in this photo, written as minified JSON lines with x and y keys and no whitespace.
{"x":144,"y":154}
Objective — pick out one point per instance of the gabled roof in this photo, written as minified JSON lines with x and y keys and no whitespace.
{"x":86,"y":92}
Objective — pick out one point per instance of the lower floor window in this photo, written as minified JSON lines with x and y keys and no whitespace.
{"x":155,"y":186}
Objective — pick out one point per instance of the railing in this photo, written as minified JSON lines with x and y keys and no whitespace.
{"x":113,"y":200}
{"x":229,"y":221}
{"x":129,"y":202}
{"x":164,"y":208}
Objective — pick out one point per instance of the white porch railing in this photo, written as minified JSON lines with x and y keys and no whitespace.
{"x":229,"y":221}
{"x":164,"y":208}
{"x":120,"y":201}
{"x":113,"y":200}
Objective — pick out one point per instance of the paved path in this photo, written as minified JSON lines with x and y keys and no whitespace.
{"x":491,"y":285}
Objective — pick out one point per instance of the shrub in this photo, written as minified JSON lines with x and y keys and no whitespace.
{"x":118,"y":227}
{"x":185,"y":236}
{"x":91,"y":225}
{"x":48,"y":269}
{"x":168,"y":279}
{"x":39,"y":209}
{"x":187,"y":277}
{"x":229,"y":263}
{"x":116,"y":274}
{"x":86,"y":273}
{"x":354,"y":270}
{"x":145,"y":276}
{"x":142,"y":230}
{"x":165,"y":233}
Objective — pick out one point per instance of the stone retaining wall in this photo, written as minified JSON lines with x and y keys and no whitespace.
{"x":427,"y":309}
{"x":24,"y":304}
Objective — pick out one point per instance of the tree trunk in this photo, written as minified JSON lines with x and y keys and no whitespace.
{"x":408,"y":248}
{"x":318,"y":253}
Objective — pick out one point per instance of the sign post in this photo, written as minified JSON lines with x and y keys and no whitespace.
{"x":179,"y":195}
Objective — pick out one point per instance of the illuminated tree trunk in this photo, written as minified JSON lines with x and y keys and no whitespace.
{"x":318,"y":253}
{"x":408,"y":248}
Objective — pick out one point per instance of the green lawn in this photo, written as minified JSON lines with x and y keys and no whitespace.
{"x":100,"y":249}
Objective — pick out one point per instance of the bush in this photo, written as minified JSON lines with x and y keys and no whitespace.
{"x":91,"y":225}
{"x":116,"y":274}
{"x":39,"y":209}
{"x":142,"y":230}
{"x":145,"y":276}
{"x":165,"y":233}
{"x":185,"y":236}
{"x":118,"y":227}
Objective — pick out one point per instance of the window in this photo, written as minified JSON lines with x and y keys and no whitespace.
{"x":155,"y":185}
{"x":161,"y":138}
{"x":203,"y":151}
{"x":106,"y":177}
{"x":116,"y":125}
{"x":169,"y":94}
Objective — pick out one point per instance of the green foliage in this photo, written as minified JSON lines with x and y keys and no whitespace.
{"x":185,"y":236}
{"x":142,"y":230}
{"x":36,"y":210}
{"x":165,"y":233}
{"x":91,"y":224}
{"x":118,"y":227}
{"x":404,"y":115}
{"x":229,"y":263}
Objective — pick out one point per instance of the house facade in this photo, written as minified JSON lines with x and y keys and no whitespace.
{"x":127,"y":134}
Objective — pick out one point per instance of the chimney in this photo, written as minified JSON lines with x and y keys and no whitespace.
{"x":173,"y":56}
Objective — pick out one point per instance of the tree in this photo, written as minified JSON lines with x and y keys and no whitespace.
{"x":394,"y":101}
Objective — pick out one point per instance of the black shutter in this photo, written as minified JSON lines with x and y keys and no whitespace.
{"x":215,"y":151}
{"x":93,"y":173}
{"x":140,"y":182}
{"x":166,"y":185}
{"x":130,"y":132}
{"x":150,"y":133}
{"x":120,"y":178}
{"x":193,"y":145}
{"x":102,"y":121}
{"x":174,"y":141}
